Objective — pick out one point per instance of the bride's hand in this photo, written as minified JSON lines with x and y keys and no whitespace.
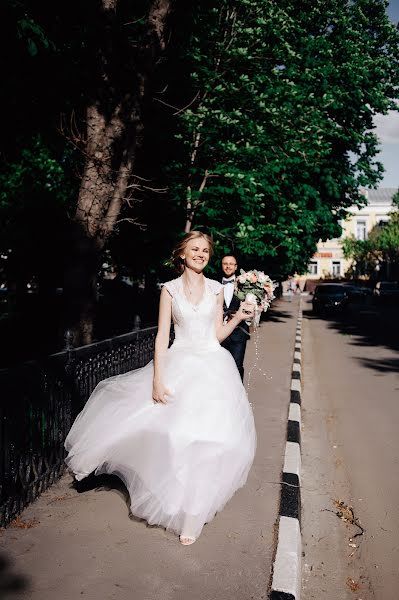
{"x":159,"y":393}
{"x":246,"y":311}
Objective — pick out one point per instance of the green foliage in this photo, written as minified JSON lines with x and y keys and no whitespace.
{"x":280,"y":101}
{"x":363,"y":254}
{"x":33,"y":35}
{"x":381,"y":245}
{"x":395,"y":200}
{"x":385,"y":239}
{"x":274,"y":142}
{"x":36,"y":170}
{"x":35,"y":196}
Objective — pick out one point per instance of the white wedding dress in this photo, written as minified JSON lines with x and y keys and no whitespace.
{"x":181,"y":462}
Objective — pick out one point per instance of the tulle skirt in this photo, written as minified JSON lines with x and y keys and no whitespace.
{"x":181,"y":462}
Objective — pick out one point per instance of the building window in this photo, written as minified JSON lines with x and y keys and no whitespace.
{"x":382,"y":221}
{"x":361,"y":231}
{"x":336,"y":268}
{"x":312,"y":267}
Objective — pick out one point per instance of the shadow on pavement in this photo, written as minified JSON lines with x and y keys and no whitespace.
{"x":367,"y":326}
{"x":10,"y":582}
{"x":276,"y":314}
{"x":383,"y":366}
{"x":109,"y":483}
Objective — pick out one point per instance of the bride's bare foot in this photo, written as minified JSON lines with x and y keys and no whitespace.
{"x":186,"y":541}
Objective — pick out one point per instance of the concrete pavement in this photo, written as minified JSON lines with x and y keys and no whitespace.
{"x":84,"y":545}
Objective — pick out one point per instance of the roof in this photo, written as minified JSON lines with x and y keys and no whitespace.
{"x":380,"y":196}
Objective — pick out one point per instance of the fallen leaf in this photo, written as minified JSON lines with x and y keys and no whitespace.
{"x":58,"y":498}
{"x":353,"y":585}
{"x":21,"y":524}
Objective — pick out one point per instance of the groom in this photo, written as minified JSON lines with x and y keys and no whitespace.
{"x":237,"y":341}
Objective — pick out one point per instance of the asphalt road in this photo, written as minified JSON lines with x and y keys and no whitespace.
{"x":350,"y":453}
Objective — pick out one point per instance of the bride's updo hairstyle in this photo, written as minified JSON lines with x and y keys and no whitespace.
{"x":175,"y":260}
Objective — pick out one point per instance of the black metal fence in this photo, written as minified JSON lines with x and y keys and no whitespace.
{"x":39,"y":402}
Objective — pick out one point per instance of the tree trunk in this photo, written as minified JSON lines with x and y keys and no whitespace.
{"x":192,"y":205}
{"x":114,"y":128}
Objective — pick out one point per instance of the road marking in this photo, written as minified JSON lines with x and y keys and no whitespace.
{"x":287,"y":565}
{"x":292,"y":458}
{"x":287,"y":581}
{"x":294,"y":412}
{"x":296,"y":384}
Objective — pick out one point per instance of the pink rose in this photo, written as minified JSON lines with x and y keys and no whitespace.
{"x":268,"y":289}
{"x":254,"y":278}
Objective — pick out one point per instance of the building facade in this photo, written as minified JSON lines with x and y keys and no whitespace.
{"x":328,"y":261}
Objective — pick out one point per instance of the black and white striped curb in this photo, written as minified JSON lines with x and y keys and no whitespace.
{"x":286,"y":582}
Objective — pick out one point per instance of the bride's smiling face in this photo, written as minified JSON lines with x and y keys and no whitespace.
{"x":196,"y":254}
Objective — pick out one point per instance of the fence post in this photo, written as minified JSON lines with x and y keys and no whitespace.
{"x":68,"y":337}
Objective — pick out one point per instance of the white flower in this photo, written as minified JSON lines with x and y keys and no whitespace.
{"x":242,"y":278}
{"x":262,"y":277}
{"x":251,"y":298}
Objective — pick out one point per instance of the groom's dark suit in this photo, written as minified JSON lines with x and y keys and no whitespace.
{"x":237,"y":341}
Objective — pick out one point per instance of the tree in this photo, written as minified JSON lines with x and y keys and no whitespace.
{"x":243,"y":124}
{"x":386,"y":242}
{"x":278,"y":102}
{"x":363,"y":254}
{"x":37,"y":184}
{"x":84,"y":71}
{"x":121,"y":68}
{"x":381,"y":248}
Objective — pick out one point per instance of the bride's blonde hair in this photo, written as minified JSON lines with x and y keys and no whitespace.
{"x":175,"y":260}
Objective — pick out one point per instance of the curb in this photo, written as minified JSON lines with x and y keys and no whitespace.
{"x":286,"y":582}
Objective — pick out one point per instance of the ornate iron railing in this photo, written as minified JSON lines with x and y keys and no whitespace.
{"x":39,"y":402}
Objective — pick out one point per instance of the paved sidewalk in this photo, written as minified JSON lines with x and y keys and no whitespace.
{"x":84,"y":545}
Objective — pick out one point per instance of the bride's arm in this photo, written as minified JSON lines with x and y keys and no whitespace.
{"x":161,"y":345}
{"x":223,"y":330}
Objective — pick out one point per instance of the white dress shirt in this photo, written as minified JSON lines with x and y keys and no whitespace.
{"x":228,"y":290}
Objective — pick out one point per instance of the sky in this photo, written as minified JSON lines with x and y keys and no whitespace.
{"x":388,"y":129}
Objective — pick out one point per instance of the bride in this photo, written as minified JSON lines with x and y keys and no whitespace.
{"x":179,"y":432}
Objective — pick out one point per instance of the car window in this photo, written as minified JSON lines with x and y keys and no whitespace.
{"x":329,"y":289}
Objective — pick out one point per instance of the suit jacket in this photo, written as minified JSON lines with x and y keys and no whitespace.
{"x":241,"y":332}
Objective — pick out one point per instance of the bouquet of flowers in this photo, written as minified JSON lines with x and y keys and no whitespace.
{"x":255,"y":287}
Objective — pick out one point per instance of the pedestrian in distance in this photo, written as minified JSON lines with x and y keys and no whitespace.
{"x":290,"y":290}
{"x":179,"y":432}
{"x":236,"y":342}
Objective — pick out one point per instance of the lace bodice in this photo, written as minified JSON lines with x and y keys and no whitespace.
{"x":195,"y":325}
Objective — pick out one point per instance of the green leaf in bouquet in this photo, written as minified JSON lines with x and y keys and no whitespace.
{"x":240,"y":295}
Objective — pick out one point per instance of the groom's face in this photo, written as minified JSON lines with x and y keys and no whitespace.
{"x":229,"y":265}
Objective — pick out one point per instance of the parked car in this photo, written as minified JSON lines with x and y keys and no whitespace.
{"x":358,"y":294}
{"x":330,"y":296}
{"x":386,"y":291}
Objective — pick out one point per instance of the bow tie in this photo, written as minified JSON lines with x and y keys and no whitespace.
{"x":224,"y":281}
